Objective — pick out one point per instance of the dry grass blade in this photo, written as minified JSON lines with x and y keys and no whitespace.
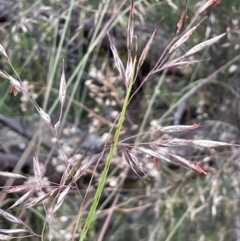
{"x":208,"y":4}
{"x":77,"y":165}
{"x":183,"y":39}
{"x":22,"y":199}
{"x":133,"y":162}
{"x":117,"y":60}
{"x":172,"y":4}
{"x":85,"y":166}
{"x":4,"y":75}
{"x":153,"y":154}
{"x":11,"y":231}
{"x":44,"y":115}
{"x":5,"y":237}
{"x":62,"y":96}
{"x":3,"y":52}
{"x":10,"y":217}
{"x":203,"y":45}
{"x":65,"y":175}
{"x":15,"y":83}
{"x":129,"y":69}
{"x":130,"y":30}
{"x":37,"y":170}
{"x":183,"y":161}
{"x":19,"y":188}
{"x":180,"y":161}
{"x":173,"y":64}
{"x":13,"y":175}
{"x":59,"y":201}
{"x":63,"y":87}
{"x":177,"y":128}
{"x":209,"y":144}
{"x":182,"y":21}
{"x":146,"y":50}
{"x":41,"y":198}
{"x":188,"y":164}
{"x":172,"y":142}
{"x":57,"y":125}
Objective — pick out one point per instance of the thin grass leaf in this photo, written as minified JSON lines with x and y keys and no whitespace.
{"x":63,"y":87}
{"x":12,"y":175}
{"x":203,"y":45}
{"x":177,"y":128}
{"x":10,"y":217}
{"x":3,"y":52}
{"x":209,"y":144}
{"x":22,"y":199}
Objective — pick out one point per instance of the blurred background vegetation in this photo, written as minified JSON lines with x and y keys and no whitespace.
{"x":176,"y":204}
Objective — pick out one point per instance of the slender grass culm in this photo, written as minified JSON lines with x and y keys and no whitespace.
{"x":47,"y":201}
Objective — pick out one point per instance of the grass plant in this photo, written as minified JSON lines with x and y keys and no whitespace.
{"x":172,"y":199}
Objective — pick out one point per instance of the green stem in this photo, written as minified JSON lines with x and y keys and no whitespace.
{"x":98,"y":193}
